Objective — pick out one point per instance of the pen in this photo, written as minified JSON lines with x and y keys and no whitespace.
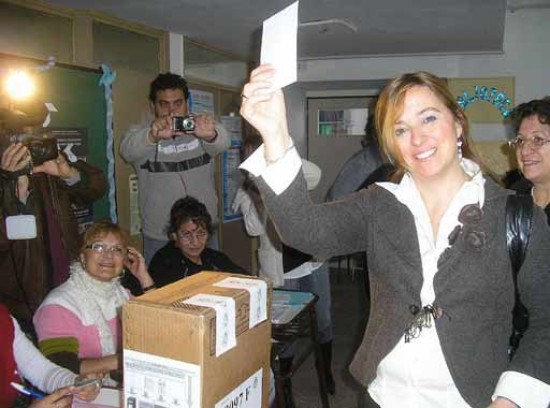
{"x":27,"y":391}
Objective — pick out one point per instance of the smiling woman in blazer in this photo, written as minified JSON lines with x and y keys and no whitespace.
{"x":441,"y":284}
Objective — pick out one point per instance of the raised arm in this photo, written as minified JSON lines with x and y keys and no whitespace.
{"x":320,"y":230}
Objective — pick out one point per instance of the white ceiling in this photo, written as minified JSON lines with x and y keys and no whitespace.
{"x":384,"y":27}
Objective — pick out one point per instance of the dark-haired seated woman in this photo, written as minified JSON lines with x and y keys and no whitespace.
{"x":186,"y":254}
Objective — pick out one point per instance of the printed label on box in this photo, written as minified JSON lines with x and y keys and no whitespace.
{"x":257,"y":289}
{"x":246,"y":395}
{"x":225,"y":318}
{"x":154,"y":381}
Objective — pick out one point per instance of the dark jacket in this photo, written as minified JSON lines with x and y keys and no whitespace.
{"x":25,"y":265}
{"x":170,"y":265}
{"x":524,"y":186}
{"x":473,"y":286}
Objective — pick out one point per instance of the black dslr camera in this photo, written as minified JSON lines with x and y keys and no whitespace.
{"x":12,"y":123}
{"x":41,"y":149}
{"x":183,"y":123}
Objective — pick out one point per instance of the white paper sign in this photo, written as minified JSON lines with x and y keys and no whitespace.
{"x":279,"y":44}
{"x":246,"y":395}
{"x":151,"y":380}
{"x":224,"y":306}
{"x":201,"y":101}
{"x":257,"y":289}
{"x":135,"y":217}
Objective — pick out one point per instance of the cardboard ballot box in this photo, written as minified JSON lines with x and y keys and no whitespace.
{"x":203,"y":341}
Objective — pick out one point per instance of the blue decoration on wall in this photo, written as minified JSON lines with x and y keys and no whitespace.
{"x":495,"y":97}
{"x":106,"y":80}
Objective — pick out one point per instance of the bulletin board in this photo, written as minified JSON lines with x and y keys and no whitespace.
{"x":80,"y":103}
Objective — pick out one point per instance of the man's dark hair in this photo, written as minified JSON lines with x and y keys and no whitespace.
{"x":189,"y":209}
{"x":167,"y":81}
{"x":538,"y":107}
{"x":370,"y":132}
{"x":370,"y":127}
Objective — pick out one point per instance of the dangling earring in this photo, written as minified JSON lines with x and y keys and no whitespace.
{"x":459,"y":148}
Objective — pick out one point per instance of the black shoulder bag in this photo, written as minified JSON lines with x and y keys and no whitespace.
{"x":519,"y":220}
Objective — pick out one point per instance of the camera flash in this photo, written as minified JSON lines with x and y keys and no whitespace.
{"x":19,"y":85}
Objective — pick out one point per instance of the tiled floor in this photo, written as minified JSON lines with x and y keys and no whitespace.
{"x":349,"y":313}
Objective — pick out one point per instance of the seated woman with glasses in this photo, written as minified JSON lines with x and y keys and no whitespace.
{"x":531,"y":122}
{"x":78,"y":326}
{"x":186,"y":254}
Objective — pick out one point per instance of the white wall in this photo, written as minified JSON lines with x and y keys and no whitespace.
{"x":526,"y":56}
{"x":232,"y":74}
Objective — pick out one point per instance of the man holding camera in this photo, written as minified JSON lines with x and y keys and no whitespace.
{"x":173,"y":157}
{"x":42,"y":183}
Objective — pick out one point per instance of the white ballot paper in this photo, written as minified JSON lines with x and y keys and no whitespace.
{"x":279,"y":44}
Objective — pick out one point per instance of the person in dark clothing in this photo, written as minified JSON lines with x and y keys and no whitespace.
{"x":186,"y":254}
{"x":49,"y":188}
{"x":359,"y":167}
{"x":531,"y":123}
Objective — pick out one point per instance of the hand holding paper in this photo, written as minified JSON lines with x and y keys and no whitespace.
{"x":263,"y":106}
{"x":279,"y":45}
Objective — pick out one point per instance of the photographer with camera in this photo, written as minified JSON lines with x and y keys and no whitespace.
{"x":172,"y":156}
{"x":37,"y":181}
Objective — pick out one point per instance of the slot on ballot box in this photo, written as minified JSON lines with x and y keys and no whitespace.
{"x":203,"y":341}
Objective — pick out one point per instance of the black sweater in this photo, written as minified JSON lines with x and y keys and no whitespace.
{"x":169,"y":264}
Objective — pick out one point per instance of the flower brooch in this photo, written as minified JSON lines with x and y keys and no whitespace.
{"x":470,"y":217}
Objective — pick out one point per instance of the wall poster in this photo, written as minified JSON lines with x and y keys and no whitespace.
{"x":74,"y":143}
{"x":201,"y":101}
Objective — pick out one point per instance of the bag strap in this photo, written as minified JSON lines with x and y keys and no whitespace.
{"x":519,"y":221}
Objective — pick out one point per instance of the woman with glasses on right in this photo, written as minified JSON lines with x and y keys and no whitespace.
{"x":186,"y":253}
{"x":531,"y":123}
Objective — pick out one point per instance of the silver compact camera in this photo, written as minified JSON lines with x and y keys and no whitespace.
{"x":183,"y":123}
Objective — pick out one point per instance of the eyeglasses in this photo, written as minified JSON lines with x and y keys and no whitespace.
{"x":536,"y":142}
{"x":199,"y":235}
{"x":99,"y":248}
